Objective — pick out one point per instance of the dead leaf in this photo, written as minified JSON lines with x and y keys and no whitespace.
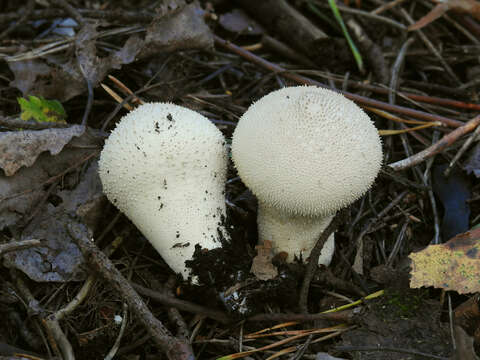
{"x":262,"y":266}
{"x":464,"y":349}
{"x":55,"y":76}
{"x":238,"y":21}
{"x":21,"y":148}
{"x":467,"y":315}
{"x":21,"y":192}
{"x":59,"y":258}
{"x":27,"y":74}
{"x":454,"y":265}
{"x":184,"y":29}
{"x":471,"y":7}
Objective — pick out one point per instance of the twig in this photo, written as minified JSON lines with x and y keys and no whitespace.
{"x":183,"y":305}
{"x":56,"y":337}
{"x":386,"y":6}
{"x":462,"y":150}
{"x":427,"y":181}
{"x":346,"y":316}
{"x":89,"y":105}
{"x":16,"y":123}
{"x":287,"y":22}
{"x":362,"y":100}
{"x":173,"y":313}
{"x":77,"y":300}
{"x":366,"y":228}
{"x":396,"y":69}
{"x":24,"y":16}
{"x":369,"y":15}
{"x":113,"y":351}
{"x":439,"y":146}
{"x":313,"y":260}
{"x":70,"y":10}
{"x":18,"y":245}
{"x":432,"y":48}
{"x":117,"y":16}
{"x":174,"y":348}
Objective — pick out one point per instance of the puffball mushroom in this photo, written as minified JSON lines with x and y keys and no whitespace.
{"x":164,"y":167}
{"x":305,"y":152}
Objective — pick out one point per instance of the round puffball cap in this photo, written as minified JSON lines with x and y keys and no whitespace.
{"x":306,"y":150}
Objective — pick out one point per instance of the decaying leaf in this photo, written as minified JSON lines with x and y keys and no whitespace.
{"x":262,"y":266}
{"x":454,"y":265}
{"x":21,"y":148}
{"x":59,"y":259}
{"x":21,"y":192}
{"x":464,"y":349}
{"x":41,"y":109}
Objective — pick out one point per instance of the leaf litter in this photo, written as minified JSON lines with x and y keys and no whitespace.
{"x":49,"y":181}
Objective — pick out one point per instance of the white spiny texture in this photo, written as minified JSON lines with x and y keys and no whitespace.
{"x":164,"y":167}
{"x":305,"y":151}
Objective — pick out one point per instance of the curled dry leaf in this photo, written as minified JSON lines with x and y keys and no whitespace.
{"x":454,"y":265}
{"x":262,"y":266}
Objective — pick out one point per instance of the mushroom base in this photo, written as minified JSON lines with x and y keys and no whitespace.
{"x":296,"y":235}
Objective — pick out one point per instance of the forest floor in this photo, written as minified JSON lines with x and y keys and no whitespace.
{"x":403,"y":282}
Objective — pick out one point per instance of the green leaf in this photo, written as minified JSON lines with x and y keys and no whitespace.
{"x":41,"y":109}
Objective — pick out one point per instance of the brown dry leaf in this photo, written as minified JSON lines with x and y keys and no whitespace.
{"x":262,"y":266}
{"x":21,"y":148}
{"x":471,"y":7}
{"x":464,"y":349}
{"x":454,"y":265}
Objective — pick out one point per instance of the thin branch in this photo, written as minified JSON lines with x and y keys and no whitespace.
{"x":313,"y":260}
{"x":18,"y":245}
{"x":174,"y":348}
{"x":183,"y":305}
{"x":362,"y":100}
{"x":439,"y":146}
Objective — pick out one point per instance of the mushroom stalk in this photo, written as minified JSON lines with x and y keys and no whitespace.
{"x":305,"y":152}
{"x":294,"y":234}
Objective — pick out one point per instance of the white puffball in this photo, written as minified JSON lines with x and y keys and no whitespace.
{"x":164,"y":167}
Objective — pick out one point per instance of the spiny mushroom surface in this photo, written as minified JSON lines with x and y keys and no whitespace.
{"x":305,"y":152}
{"x":164,"y":167}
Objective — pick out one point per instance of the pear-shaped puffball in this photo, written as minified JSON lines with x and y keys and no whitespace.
{"x":164,"y":167}
{"x":305,"y":152}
